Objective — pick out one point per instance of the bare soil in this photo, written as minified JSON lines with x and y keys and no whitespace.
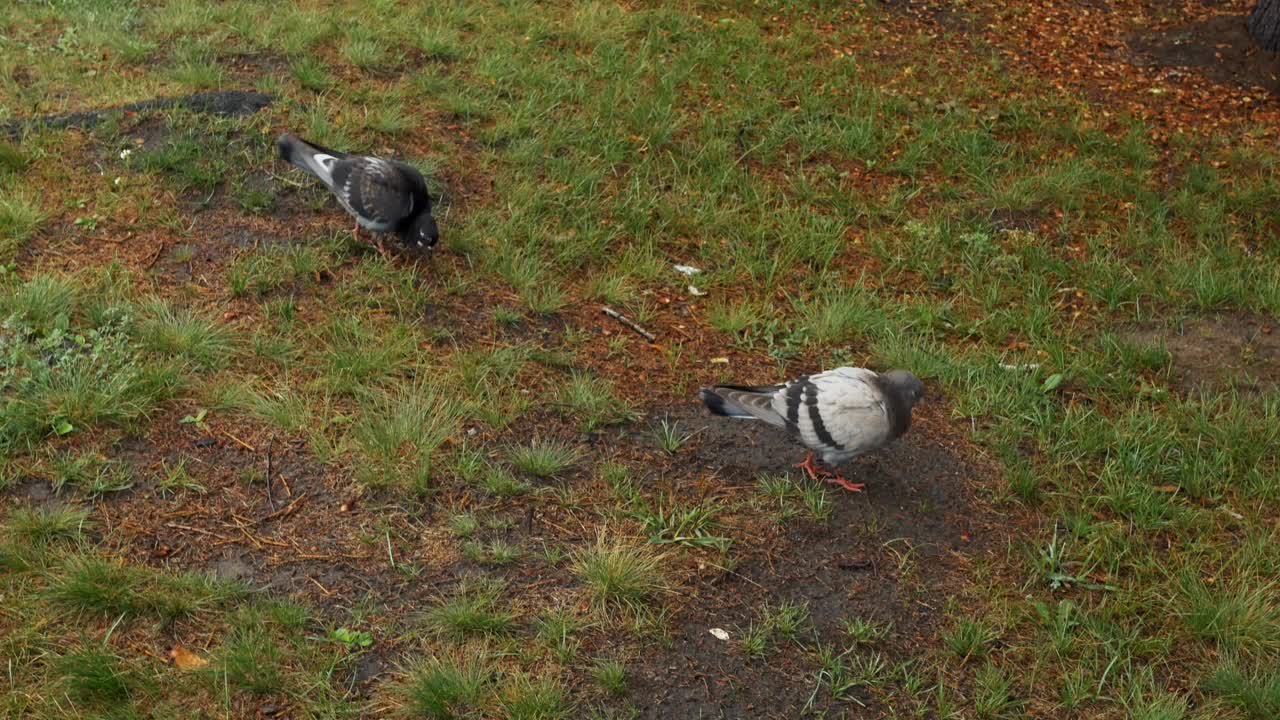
{"x":1221,"y":352}
{"x":1218,"y":47}
{"x":890,"y":554}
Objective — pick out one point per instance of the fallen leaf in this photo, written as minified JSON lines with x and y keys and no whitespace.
{"x":719,"y":633}
{"x":184,"y":659}
{"x":1167,"y":488}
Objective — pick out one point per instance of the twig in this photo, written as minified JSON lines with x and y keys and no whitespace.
{"x":201,"y":531}
{"x":155,"y":256}
{"x":284,"y":511}
{"x":629,"y":323}
{"x":323,"y":589}
{"x":271,"y":503}
{"x":243,"y":444}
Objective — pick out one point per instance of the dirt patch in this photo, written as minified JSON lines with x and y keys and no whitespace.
{"x":231,"y":103}
{"x":1221,"y":352}
{"x":944,"y":14}
{"x":887,"y":555}
{"x":1005,"y":220}
{"x":1219,"y":48}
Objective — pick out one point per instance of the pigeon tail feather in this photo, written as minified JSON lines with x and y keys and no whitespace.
{"x":312,"y":158}
{"x":744,"y":403}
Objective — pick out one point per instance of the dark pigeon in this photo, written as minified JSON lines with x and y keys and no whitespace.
{"x":384,"y":196}
{"x":840,"y":414}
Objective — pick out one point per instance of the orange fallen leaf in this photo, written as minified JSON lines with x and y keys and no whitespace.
{"x":1167,"y":488}
{"x":184,"y":659}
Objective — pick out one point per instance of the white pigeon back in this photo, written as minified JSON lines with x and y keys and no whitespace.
{"x":850,"y":410}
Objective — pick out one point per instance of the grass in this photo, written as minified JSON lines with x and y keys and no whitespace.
{"x":534,"y":698}
{"x":495,"y":552}
{"x":96,"y":677}
{"x":856,"y":187}
{"x":557,"y":629}
{"x":471,"y":611}
{"x":619,"y":573}
{"x":670,"y":437}
{"x":611,"y":674}
{"x":37,"y":528}
{"x":592,"y":402}
{"x":180,"y":332}
{"x":1254,"y":692}
{"x":19,"y":219}
{"x":1238,"y":619}
{"x":969,"y":638}
{"x":398,"y":434}
{"x":445,"y":687}
{"x":669,"y":522}
{"x":68,"y":376}
{"x":864,"y":632}
{"x":543,"y":459}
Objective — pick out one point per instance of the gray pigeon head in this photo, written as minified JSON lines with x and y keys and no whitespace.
{"x":907,"y":386}
{"x":423,"y":234}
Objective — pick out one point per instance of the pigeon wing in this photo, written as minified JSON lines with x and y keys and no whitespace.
{"x":840,"y":413}
{"x":748,"y":403}
{"x":373,"y":190}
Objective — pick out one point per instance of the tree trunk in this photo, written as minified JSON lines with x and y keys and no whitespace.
{"x":1264,"y":24}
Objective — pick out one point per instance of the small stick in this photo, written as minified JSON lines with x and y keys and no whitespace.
{"x":244,"y":444}
{"x":271,"y":503}
{"x":201,"y":531}
{"x":156,"y":255}
{"x":286,"y":510}
{"x":629,"y":323}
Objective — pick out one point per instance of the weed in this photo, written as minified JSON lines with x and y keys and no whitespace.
{"x":670,"y":437}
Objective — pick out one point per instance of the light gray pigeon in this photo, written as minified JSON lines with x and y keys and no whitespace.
{"x":840,"y":413}
{"x":383,"y":195}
